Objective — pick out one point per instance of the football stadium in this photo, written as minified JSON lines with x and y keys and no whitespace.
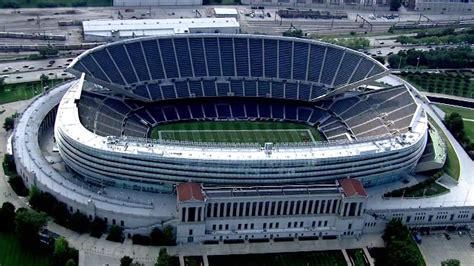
{"x":221,"y":134}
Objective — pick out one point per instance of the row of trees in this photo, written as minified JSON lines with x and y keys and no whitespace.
{"x":27,"y":224}
{"x":156,"y":237}
{"x":444,"y":36}
{"x":455,"y":124}
{"x":79,"y":222}
{"x":401,"y":248}
{"x":459,"y":57}
{"x":352,"y":43}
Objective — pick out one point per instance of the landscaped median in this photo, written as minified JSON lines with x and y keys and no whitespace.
{"x":23,"y":91}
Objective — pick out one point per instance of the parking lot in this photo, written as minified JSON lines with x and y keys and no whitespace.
{"x":436,"y":248}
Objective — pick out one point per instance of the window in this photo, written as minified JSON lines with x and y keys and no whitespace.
{"x":190,"y":232}
{"x":245,"y":226}
{"x":277,"y":225}
{"x":297,"y":211}
{"x":289,"y":225}
{"x":313,"y":224}
{"x":251,"y":226}
{"x":301,"y":224}
{"x":239,"y":226}
{"x":234,"y":209}
{"x":122,"y":223}
{"x":270,"y":226}
{"x":227,"y":227}
{"x":349,"y":226}
{"x":113,"y":221}
{"x":264,"y":225}
{"x":325,"y":223}
{"x":319,"y":223}
{"x":214,"y":227}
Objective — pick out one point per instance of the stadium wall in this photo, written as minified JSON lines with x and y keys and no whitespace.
{"x":146,"y":3}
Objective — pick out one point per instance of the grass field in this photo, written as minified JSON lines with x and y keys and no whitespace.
{"x":315,"y":258}
{"x":237,"y":132}
{"x":467,"y":113}
{"x":12,"y":254}
{"x":457,"y":83}
{"x":22,"y":91}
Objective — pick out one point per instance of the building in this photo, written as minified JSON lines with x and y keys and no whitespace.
{"x":460,"y":7}
{"x":238,"y":214}
{"x":220,"y":12}
{"x":147,"y":3}
{"x":108,"y":167}
{"x":114,"y":30}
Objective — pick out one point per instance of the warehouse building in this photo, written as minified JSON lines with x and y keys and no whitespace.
{"x":113,"y":30}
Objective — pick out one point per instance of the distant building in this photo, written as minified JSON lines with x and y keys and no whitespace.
{"x":461,"y":7}
{"x":157,"y":2}
{"x":220,"y":12}
{"x":113,"y":30}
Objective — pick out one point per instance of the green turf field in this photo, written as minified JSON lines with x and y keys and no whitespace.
{"x":237,"y":132}
{"x":12,"y":254}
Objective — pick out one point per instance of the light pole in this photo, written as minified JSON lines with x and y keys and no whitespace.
{"x":417,"y":62}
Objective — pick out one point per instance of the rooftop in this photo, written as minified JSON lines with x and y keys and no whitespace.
{"x":142,"y":27}
{"x":352,"y":187}
{"x":189,"y":192}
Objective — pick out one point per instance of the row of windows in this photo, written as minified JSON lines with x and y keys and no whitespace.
{"x":271,"y":208}
{"x":275,"y":225}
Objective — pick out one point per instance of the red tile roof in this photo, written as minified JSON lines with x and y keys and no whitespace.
{"x":352,"y":187}
{"x":189,"y":191}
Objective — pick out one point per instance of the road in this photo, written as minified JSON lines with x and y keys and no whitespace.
{"x":32,"y":70}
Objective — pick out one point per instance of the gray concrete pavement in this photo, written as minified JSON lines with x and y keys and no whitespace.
{"x":436,"y":248}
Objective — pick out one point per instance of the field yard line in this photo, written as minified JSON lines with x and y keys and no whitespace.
{"x":311,"y":135}
{"x":232,"y":130}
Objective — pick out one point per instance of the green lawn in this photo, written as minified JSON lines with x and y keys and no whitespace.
{"x":237,"y":132}
{"x":315,"y":258}
{"x":22,"y":91}
{"x":449,"y":82}
{"x":12,"y":254}
{"x":467,"y":113}
{"x":357,"y":256}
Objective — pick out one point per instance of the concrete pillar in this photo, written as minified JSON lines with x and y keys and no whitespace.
{"x":186,"y":213}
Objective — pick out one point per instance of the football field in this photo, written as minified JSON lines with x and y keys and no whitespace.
{"x":237,"y":132}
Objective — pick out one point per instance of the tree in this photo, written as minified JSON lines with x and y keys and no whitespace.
{"x":451,"y":262}
{"x":7,"y":217}
{"x":2,"y":83}
{"x":48,"y":51}
{"x":156,"y":237}
{"x":293,"y":33}
{"x":455,"y":124}
{"x":70,"y":262}
{"x":60,"y":213}
{"x":395,"y":5}
{"x":9,"y":123}
{"x":79,"y":222}
{"x":28,"y":225}
{"x":399,"y":252}
{"x":163,"y":258}
{"x":115,"y":234}
{"x":44,"y":80}
{"x":98,"y":227}
{"x":126,"y":261}
{"x":61,"y":251}
{"x":168,"y":235}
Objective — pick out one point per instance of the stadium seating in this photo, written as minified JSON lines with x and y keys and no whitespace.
{"x":308,"y":68}
{"x":377,"y":113}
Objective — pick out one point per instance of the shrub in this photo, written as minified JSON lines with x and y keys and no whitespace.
{"x":98,"y":227}
{"x":141,"y":240}
{"x":79,"y":222}
{"x":115,"y":234}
